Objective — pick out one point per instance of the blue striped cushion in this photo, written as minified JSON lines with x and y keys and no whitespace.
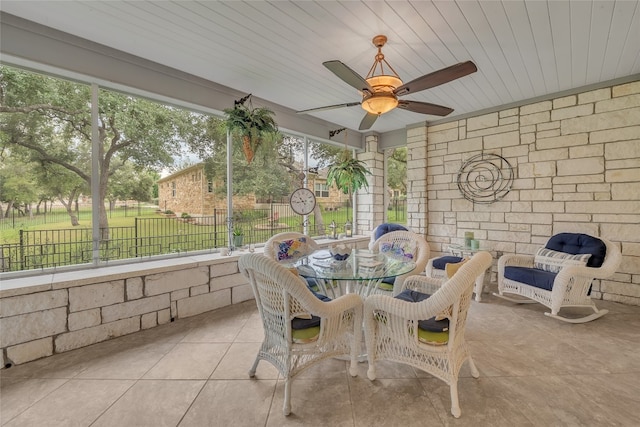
{"x":553,"y":261}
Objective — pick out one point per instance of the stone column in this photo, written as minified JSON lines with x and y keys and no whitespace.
{"x":417,"y":203}
{"x":370,"y":204}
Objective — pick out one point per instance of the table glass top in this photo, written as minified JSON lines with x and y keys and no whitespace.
{"x":361,"y":265}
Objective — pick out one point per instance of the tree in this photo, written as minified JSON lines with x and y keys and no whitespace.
{"x":37,"y":111}
{"x":397,"y":171}
{"x":17,"y":188}
{"x":268,"y":174}
{"x":131,"y":183}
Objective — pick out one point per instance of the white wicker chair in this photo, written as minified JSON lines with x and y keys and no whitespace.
{"x":384,"y":228}
{"x":570,"y":287}
{"x":391,"y":325}
{"x":282,"y":296}
{"x":420,"y":258}
{"x":440,"y":273}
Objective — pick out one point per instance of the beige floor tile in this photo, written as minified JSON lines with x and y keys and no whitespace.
{"x":481,"y":403}
{"x":391,"y":402}
{"x":17,"y":394}
{"x":331,"y":368}
{"x":534,"y":371}
{"x":314,"y":402}
{"x":126,"y":361}
{"x":252,"y":331}
{"x":235,"y":403}
{"x":614,"y":399}
{"x":189,"y":361}
{"x":152,"y":403}
{"x":216,"y":329}
{"x":75,"y":403}
{"x":239,"y":359}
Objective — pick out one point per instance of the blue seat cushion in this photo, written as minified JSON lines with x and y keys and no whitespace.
{"x":300,"y":323}
{"x":440,"y":263}
{"x":531,"y":276}
{"x":432,"y":324}
{"x":388,"y":227}
{"x":578,"y":243}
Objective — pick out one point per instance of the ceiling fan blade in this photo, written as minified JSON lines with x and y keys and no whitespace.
{"x":368,"y":121}
{"x":437,"y":78}
{"x":424,"y":108}
{"x":329,"y":107}
{"x":348,"y":75}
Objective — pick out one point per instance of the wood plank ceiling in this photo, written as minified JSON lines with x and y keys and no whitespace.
{"x":275,"y":49}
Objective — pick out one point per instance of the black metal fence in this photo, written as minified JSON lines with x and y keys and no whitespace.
{"x":37,"y":249}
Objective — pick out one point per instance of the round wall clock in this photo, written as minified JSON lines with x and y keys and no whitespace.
{"x":303,"y":201}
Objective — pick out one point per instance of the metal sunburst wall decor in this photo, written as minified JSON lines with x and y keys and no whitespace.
{"x":485,"y":178}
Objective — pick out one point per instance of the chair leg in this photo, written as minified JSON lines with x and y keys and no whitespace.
{"x":474,"y":371}
{"x":479,"y":286}
{"x":252,"y":371}
{"x":371,"y":372}
{"x":286,"y":408}
{"x":455,"y":404}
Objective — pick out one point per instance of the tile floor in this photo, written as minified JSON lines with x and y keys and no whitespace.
{"x":535,"y":371}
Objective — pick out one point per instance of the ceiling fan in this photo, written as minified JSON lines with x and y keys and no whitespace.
{"x":380,"y":91}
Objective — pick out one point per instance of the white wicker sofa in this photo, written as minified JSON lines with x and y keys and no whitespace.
{"x":560,"y":274}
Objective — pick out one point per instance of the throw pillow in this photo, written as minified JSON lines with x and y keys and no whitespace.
{"x":553,"y":261}
{"x":399,"y":250}
{"x":452,"y":268}
{"x":291,"y":250}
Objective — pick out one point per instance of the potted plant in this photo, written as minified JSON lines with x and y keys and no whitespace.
{"x":252,"y":124}
{"x":238,"y":236}
{"x":348,"y":174}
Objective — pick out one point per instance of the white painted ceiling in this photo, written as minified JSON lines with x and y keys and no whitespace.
{"x":275,"y":49}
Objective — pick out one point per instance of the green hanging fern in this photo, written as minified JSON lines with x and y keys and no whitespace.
{"x":252,"y":124}
{"x":349,"y":175}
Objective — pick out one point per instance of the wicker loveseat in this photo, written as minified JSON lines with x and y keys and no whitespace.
{"x":560,"y":274}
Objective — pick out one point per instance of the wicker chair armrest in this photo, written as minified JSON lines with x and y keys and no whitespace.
{"x":336,"y":306}
{"x":403,"y":309}
{"x":441,"y":300}
{"x":424,"y":284}
{"x":515,"y":260}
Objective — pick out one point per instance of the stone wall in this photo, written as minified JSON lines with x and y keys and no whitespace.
{"x":54,"y":313}
{"x":577,"y":168}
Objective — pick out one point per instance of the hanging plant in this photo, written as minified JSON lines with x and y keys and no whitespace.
{"x":251,"y":124}
{"x":348,"y":174}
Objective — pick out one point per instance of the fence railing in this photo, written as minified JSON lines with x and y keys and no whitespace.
{"x":38,"y":249}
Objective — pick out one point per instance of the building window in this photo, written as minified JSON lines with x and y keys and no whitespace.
{"x":209,"y":186}
{"x":173,"y":189}
{"x":321,"y":190}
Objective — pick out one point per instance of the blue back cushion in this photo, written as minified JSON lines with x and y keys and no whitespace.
{"x":440,"y":263}
{"x":298,"y":323}
{"x":388,"y":227}
{"x":432,"y":324}
{"x":577,"y":243}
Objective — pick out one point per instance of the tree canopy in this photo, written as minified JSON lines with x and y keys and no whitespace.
{"x":48,"y":121}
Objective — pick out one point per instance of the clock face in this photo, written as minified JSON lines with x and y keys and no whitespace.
{"x":303,"y":201}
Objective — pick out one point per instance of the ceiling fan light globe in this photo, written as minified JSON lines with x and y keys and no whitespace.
{"x":379,"y":103}
{"x":384,"y":83}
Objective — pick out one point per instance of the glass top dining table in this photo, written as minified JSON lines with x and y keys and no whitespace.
{"x":361,"y":273}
